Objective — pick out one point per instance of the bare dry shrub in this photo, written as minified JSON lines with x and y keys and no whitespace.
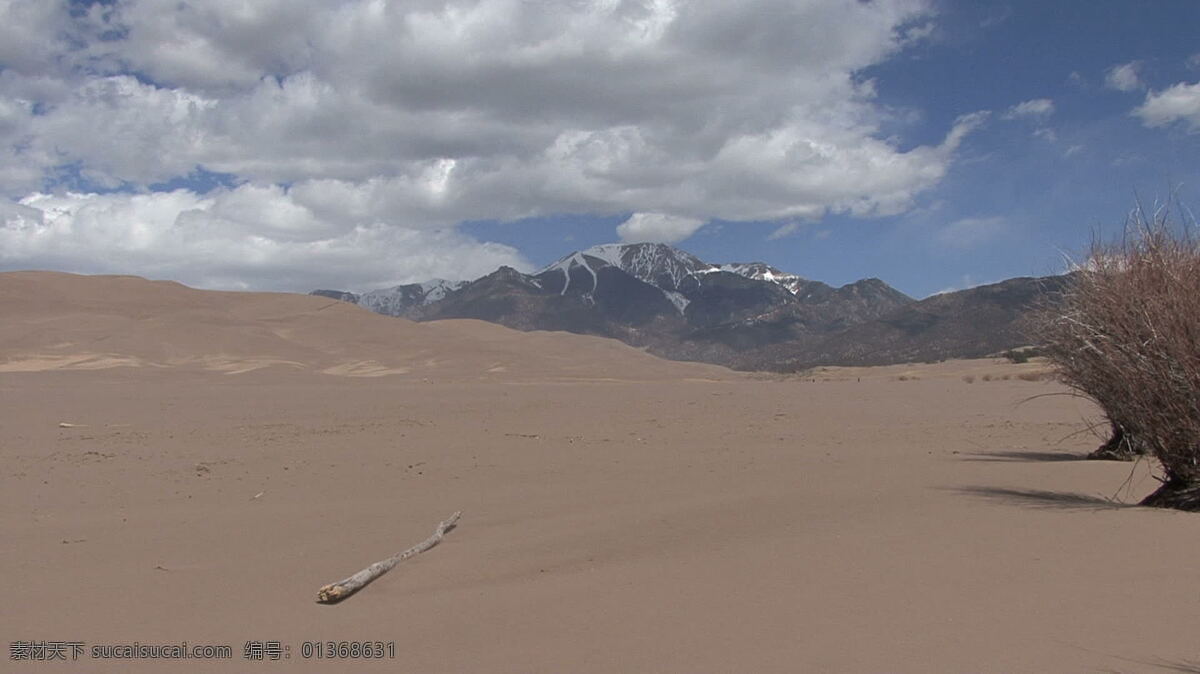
{"x":986,"y":377}
{"x":1127,"y":335}
{"x":1031,"y":376}
{"x":969,"y":378}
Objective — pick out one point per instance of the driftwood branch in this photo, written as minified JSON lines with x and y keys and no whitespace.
{"x":335,"y":592}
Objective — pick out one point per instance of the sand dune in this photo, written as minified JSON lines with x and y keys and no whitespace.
{"x":66,"y":321}
{"x":621,"y":514}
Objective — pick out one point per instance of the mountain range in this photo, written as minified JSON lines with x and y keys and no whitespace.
{"x":743,"y":315}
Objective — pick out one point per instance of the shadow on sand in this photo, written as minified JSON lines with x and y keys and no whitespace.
{"x":1039,"y":498}
{"x":1010,"y":456}
{"x":1188,"y":666}
{"x":1178,"y":666}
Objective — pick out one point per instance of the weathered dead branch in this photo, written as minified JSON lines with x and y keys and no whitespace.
{"x":335,"y":592}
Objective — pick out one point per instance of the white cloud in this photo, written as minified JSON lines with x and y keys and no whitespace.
{"x":783,"y":231}
{"x":1180,"y":103}
{"x":31,"y":33}
{"x":1038,"y":107}
{"x":1038,"y":110}
{"x":247,"y":237}
{"x":657,"y":227}
{"x":970,"y":232}
{"x":1047,"y":134}
{"x":1124,"y":77}
{"x":420,"y":115}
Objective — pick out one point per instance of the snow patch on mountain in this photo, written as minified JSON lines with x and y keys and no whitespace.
{"x":664,"y":267}
{"x":609,"y":252}
{"x":658,"y":264}
{"x":566,"y":264}
{"x":401,"y":300}
{"x":677,"y":299}
{"x":438,"y":288}
{"x":760,"y":271}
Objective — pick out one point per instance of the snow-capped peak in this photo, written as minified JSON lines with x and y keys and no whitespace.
{"x":609,"y":252}
{"x":664,"y":267}
{"x":655,"y":263}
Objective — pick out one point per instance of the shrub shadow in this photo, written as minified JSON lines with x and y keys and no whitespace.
{"x":1043,"y":499}
{"x":1179,"y":666}
{"x":1009,"y":456}
{"x":1188,"y":666}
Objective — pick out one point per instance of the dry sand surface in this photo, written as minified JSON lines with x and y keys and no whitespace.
{"x":620,"y":513}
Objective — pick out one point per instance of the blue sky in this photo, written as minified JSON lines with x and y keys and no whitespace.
{"x":1051,"y":199}
{"x":302,"y":144}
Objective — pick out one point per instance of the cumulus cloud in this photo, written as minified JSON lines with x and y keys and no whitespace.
{"x":1036,"y":108}
{"x":1180,"y":103}
{"x":342,"y":116}
{"x":1124,"y":77}
{"x":242,"y":238}
{"x":657,"y":228}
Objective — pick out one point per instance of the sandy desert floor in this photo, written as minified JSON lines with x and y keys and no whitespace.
{"x":620,"y":513}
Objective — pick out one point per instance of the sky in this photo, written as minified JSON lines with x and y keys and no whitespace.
{"x":358,"y":144}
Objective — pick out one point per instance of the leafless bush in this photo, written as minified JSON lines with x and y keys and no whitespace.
{"x":969,"y":378}
{"x":1127,"y":335}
